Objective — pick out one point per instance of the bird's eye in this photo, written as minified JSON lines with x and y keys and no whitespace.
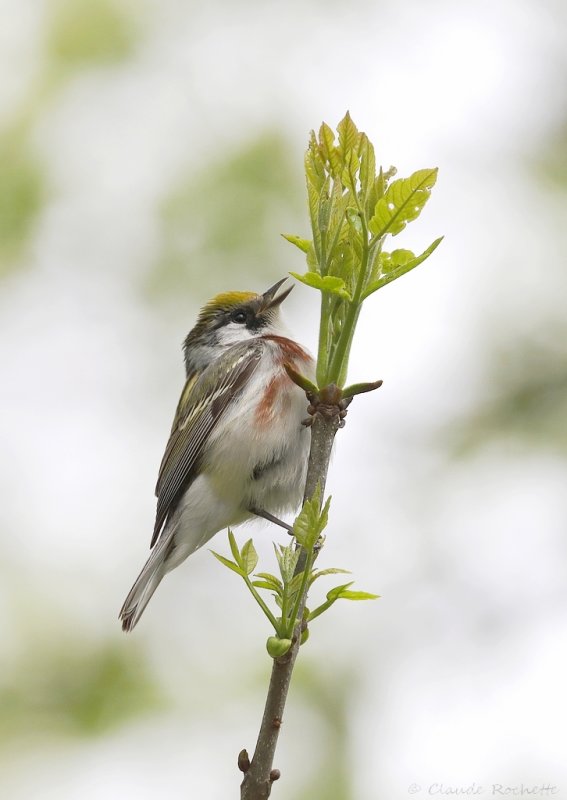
{"x":239,"y":316}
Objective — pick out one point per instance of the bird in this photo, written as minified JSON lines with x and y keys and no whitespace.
{"x":238,"y":447}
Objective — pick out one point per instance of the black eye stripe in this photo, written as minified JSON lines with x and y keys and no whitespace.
{"x":239,"y":316}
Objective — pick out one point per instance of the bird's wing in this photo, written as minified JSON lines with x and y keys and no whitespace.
{"x":204,"y":399}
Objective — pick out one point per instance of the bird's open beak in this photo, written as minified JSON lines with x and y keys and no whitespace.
{"x":269,"y":299}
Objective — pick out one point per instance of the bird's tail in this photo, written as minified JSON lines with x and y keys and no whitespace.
{"x":145,"y":585}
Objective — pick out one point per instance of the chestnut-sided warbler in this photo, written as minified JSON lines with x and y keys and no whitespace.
{"x":237,"y":447}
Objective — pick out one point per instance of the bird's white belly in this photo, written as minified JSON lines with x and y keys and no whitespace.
{"x":260,"y":457}
{"x":256,"y":457}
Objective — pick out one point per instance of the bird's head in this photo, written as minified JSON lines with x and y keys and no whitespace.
{"x":230,"y":318}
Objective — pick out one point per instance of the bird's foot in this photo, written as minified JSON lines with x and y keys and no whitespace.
{"x":259,"y":512}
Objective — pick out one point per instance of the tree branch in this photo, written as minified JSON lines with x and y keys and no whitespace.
{"x":260,"y":775}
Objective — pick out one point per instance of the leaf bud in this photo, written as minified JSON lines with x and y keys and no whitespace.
{"x":277,"y":647}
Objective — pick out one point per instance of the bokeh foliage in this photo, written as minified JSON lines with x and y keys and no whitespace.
{"x":78,"y":34}
{"x":89,"y":32}
{"x":221,"y":216}
{"x":75,"y":687}
{"x":22,"y":194}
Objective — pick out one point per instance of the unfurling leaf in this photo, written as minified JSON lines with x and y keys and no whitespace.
{"x":367,"y":165}
{"x":287,"y":561}
{"x":329,"y":284}
{"x":263,"y":585}
{"x":270,"y":581}
{"x":303,"y":244}
{"x":249,"y":557}
{"x":334,"y":594}
{"x":320,"y":573}
{"x":402,"y":202}
{"x":311,"y":520}
{"x":328,"y":150}
{"x":347,"y":594}
{"x":343,"y":592}
{"x":230,"y":564}
{"x":394,"y":265}
{"x":314,"y":165}
{"x":348,"y":138}
{"x":234,"y":547}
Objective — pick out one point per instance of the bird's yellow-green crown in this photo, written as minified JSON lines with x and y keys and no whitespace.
{"x":225,"y":301}
{"x":228,"y":300}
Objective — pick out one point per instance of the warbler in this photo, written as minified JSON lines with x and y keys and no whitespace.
{"x":237,"y":447}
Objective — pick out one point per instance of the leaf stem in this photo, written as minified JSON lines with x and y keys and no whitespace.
{"x":337,"y":371}
{"x":302,"y":593}
{"x":261,"y":603}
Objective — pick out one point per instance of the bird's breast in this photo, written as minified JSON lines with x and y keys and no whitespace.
{"x":263,"y":424}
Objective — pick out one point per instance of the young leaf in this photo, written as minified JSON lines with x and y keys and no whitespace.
{"x":328,"y":150}
{"x":394,"y":265}
{"x":367,"y":165}
{"x":264,"y":585}
{"x":249,"y":557}
{"x":234,"y":547}
{"x":314,"y":165}
{"x":320,"y":573}
{"x":289,"y":559}
{"x":230,"y":564}
{"x":348,"y":137}
{"x":402,"y":202}
{"x":324,"y":517}
{"x":295,"y":584}
{"x":347,"y":594}
{"x":274,"y":583}
{"x":329,"y":284}
{"x":334,"y":594}
{"x":311,"y":521}
{"x":303,"y":244}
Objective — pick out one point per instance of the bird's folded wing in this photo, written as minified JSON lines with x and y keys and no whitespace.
{"x":203,"y":401}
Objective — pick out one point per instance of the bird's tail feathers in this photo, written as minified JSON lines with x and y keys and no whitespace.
{"x":145,"y":585}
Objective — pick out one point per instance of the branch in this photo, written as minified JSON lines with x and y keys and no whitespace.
{"x":259,"y":774}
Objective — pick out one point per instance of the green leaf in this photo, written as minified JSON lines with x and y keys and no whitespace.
{"x":311,"y":521}
{"x":295,"y":584}
{"x":347,"y":594}
{"x":348,"y":137}
{"x":249,"y":557}
{"x":234,"y":547}
{"x":274,"y":583}
{"x":314,"y":165}
{"x":354,"y":220}
{"x":393,"y":265}
{"x":320,"y":573}
{"x":312,"y":262}
{"x":287,"y":561}
{"x":328,"y":149}
{"x":278,"y":551}
{"x":367,"y":164}
{"x":334,"y":594}
{"x":303,"y":244}
{"x":230,"y":564}
{"x":263,"y":585}
{"x":313,"y":200}
{"x":329,"y":284}
{"x":350,"y":171}
{"x":402,"y":202}
{"x":324,"y":210}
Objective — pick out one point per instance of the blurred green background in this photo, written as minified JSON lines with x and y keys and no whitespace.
{"x":150,"y":156}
